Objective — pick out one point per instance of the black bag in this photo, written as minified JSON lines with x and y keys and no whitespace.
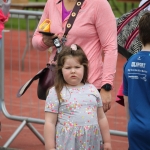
{"x":46,"y":80}
{"x":128,"y":33}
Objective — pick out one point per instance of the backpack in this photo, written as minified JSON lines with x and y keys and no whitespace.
{"x":128,"y":33}
{"x":128,"y":37}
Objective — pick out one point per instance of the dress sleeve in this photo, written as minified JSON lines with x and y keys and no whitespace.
{"x":99,"y":100}
{"x":52,"y":102}
{"x":37,"y":37}
{"x":98,"y":97}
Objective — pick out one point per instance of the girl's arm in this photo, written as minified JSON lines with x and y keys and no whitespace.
{"x":104,"y":128}
{"x":49,"y":130}
{"x":126,"y":107}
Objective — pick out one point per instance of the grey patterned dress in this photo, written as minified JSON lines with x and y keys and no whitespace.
{"x":77,"y":127}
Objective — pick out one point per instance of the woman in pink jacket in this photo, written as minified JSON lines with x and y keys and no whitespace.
{"x":94,"y":29}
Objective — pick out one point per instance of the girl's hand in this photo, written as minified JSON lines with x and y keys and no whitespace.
{"x":48,"y":40}
{"x":107,"y":146}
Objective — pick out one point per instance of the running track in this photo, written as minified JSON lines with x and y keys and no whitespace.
{"x":27,"y":105}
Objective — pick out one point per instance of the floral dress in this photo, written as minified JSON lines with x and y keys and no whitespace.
{"x":77,"y":126}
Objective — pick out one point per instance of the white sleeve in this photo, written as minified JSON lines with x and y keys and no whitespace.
{"x":52,"y":102}
{"x":98,"y":97}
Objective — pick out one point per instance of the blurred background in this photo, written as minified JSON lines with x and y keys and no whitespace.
{"x":23,"y":118}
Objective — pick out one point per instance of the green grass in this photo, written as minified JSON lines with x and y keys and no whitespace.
{"x":117,"y":7}
{"x":120,"y":6}
{"x":20,"y":24}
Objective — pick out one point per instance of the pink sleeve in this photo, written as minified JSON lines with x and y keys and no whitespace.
{"x":37,"y":37}
{"x":3,"y":18}
{"x":107,"y":32}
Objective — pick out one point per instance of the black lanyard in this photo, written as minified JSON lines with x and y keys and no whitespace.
{"x":69,"y":24}
{"x":71,"y":19}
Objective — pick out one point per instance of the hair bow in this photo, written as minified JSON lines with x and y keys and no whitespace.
{"x":73,"y":47}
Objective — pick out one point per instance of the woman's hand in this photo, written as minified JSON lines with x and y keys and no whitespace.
{"x":106,"y":99}
{"x":48,"y":40}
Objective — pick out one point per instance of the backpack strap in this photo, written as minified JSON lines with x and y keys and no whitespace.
{"x":131,"y":37}
{"x":124,"y":52}
{"x":137,"y":10}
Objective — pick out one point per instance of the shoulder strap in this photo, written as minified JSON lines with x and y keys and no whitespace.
{"x":124,"y":52}
{"x":132,"y":15}
{"x":73,"y":16}
{"x":130,"y":39}
{"x":71,"y":20}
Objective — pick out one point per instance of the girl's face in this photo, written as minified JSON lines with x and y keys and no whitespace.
{"x":72,"y":71}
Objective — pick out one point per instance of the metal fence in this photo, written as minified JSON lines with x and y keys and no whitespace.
{"x":19,"y":62}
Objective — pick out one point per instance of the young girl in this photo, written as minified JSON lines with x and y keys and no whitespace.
{"x":74,"y":116}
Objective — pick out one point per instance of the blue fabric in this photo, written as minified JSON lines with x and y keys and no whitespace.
{"x":136,"y":80}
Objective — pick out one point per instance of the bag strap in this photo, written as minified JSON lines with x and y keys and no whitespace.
{"x":132,"y":15}
{"x":23,"y":88}
{"x":130,"y":39}
{"x":70,"y":22}
{"x":124,"y":52}
{"x":73,"y":16}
